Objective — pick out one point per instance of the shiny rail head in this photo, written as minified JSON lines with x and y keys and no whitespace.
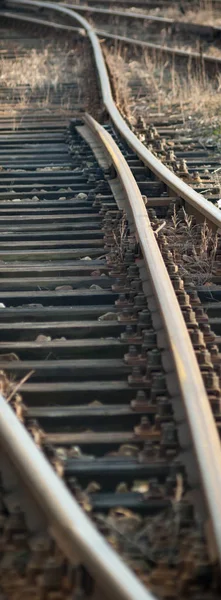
{"x":160,"y":20}
{"x":44,"y":22}
{"x":66,"y":521}
{"x":211,"y":213}
{"x":201,"y":422}
{"x":198,"y":410}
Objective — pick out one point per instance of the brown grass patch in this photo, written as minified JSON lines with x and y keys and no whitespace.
{"x":204,"y":13}
{"x":39,"y":79}
{"x":152,"y":85}
{"x":194,"y":247}
{"x":40,"y":68}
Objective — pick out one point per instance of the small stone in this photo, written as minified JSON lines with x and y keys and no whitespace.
{"x":96,"y":287}
{"x":33,"y":305}
{"x":86,"y":258}
{"x":61,"y":453}
{"x":43,"y":338}
{"x":75,"y":452}
{"x":92,"y":487}
{"x":141,"y":487}
{"x":95,"y":403}
{"x":122,"y":488}
{"x":8,"y":357}
{"x":81,"y":196}
{"x":2,"y":305}
{"x":64,"y":288}
{"x":109,"y":316}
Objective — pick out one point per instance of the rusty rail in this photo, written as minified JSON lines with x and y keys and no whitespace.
{"x":66,"y":521}
{"x":174,"y":183}
{"x":204,"y":433}
{"x":177,"y":25}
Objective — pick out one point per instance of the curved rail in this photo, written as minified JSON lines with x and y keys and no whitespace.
{"x":182,"y":25}
{"x":202,"y":425}
{"x":67,"y":523}
{"x":142,"y":3}
{"x":199,"y":414}
{"x":29,"y":19}
{"x":199,"y":58}
{"x":175,"y":52}
{"x":174,"y":183}
{"x":206,"y":59}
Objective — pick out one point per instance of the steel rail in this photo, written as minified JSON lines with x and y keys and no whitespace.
{"x":137,"y":3}
{"x":206,"y":58}
{"x":174,"y":183}
{"x":27,"y":18}
{"x":201,"y":57}
{"x":117,"y":13}
{"x":196,"y":56}
{"x":143,"y":3}
{"x":140,"y":2}
{"x":68,"y":524}
{"x":199,"y":414}
{"x":204,"y":433}
{"x":145,"y":17}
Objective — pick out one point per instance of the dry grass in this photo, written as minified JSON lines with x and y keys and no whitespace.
{"x":153,"y":89}
{"x":41,"y":68}
{"x":33,"y":78}
{"x":121,"y":81}
{"x":204,"y":13}
{"x":194,"y":247}
{"x":161,"y":88}
{"x":37,"y":79}
{"x":120,"y":235}
{"x":164,"y":36}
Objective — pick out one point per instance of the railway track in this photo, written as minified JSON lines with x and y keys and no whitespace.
{"x":194,"y":159}
{"x":168,"y":127}
{"x":166,"y":38}
{"x":146,"y":4}
{"x":132,"y":24}
{"x":108,"y":359}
